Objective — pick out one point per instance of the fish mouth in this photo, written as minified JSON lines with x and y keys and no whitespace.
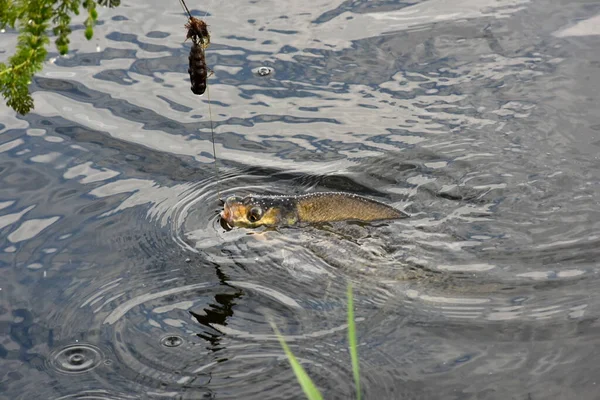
{"x":225,"y":219}
{"x":224,"y":224}
{"x":231,"y":212}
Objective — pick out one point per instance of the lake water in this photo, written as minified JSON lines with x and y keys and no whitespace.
{"x":479,"y":118}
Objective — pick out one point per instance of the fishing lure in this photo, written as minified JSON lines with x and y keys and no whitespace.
{"x":197,"y":69}
{"x":197,"y":31}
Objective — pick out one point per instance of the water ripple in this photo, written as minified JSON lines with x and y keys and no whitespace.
{"x":478,"y":119}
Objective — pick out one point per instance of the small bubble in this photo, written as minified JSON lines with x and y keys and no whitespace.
{"x":171,"y":341}
{"x":76,"y":359}
{"x":264,"y":71}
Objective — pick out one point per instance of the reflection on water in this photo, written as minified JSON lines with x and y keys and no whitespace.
{"x":477,"y":118}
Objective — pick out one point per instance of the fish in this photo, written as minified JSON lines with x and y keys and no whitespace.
{"x":254,"y":211}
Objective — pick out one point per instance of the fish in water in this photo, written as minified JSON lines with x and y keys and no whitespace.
{"x":253,"y":211}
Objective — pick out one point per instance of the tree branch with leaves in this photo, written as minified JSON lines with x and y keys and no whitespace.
{"x":33,"y":19}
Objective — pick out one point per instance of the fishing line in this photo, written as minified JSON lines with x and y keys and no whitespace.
{"x":212,"y":131}
{"x":185,"y":8}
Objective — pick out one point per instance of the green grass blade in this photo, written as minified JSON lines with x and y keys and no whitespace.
{"x":308,"y":386}
{"x":352,"y":341}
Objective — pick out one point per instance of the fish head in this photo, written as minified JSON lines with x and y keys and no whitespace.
{"x":250,"y":212}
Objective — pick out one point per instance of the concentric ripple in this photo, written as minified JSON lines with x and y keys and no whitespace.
{"x":76,"y":358}
{"x":99,"y":394}
{"x":199,"y":334}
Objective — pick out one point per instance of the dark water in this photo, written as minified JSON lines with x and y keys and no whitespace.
{"x":479,"y":118}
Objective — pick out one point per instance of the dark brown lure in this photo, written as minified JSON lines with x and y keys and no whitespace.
{"x":197,"y":70}
{"x":197,"y":31}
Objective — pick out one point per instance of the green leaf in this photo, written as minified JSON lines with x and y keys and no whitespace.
{"x":352,"y":342}
{"x":109,"y":3}
{"x":308,"y":386}
{"x":8,"y":13}
{"x":32,"y":18}
{"x":89,"y":22}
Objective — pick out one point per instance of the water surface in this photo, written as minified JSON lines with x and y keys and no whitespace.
{"x":478,"y":118}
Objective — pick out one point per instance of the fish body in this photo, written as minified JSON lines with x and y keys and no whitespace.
{"x":253,"y":211}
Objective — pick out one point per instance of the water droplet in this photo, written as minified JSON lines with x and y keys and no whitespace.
{"x":171,"y":341}
{"x":77,"y":358}
{"x":264,"y":71}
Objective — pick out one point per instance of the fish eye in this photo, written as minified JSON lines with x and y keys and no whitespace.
{"x":255,"y":214}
